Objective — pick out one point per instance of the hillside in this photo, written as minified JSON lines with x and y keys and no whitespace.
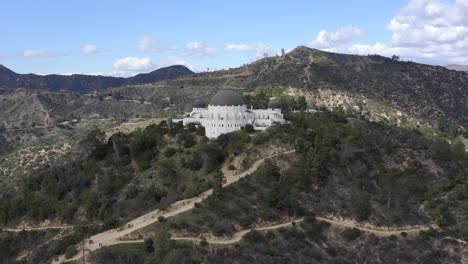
{"x":398,"y":92}
{"x":355,"y":169}
{"x":406,"y":94}
{"x":10,"y":80}
{"x":428,"y":92}
{"x":385,"y":151}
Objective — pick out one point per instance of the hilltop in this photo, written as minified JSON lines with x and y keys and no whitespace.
{"x":398,"y":92}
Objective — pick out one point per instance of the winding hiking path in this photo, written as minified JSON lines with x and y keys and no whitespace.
{"x":114,"y":236}
{"x":36,"y":228}
{"x":236,"y":237}
{"x":378,"y":231}
{"x":111,"y":237}
{"x":24,"y":254}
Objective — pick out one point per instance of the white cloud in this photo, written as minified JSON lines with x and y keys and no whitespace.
{"x":198,"y":49}
{"x":148,"y":44}
{"x":133,"y":64}
{"x":258,"y":50}
{"x":430,"y":31}
{"x":325,"y":39}
{"x":34,"y":53}
{"x":89,"y":49}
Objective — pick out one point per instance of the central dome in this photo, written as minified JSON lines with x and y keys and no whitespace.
{"x":226,"y":98}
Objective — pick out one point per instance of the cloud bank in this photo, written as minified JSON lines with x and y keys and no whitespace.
{"x":431,"y":31}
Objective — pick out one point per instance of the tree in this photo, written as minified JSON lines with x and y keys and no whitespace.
{"x":283,"y":52}
{"x":248,"y":128}
{"x":396,"y":58}
{"x":362,"y":208}
{"x":301,"y":103}
{"x":162,"y":244}
{"x":149,"y":245}
{"x":218,"y":180}
{"x":459,"y":149}
{"x":95,"y":140}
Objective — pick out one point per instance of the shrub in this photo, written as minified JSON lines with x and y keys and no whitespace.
{"x":70,"y":251}
{"x":362,"y":208}
{"x":203,"y":242}
{"x":170,"y":152}
{"x":351,"y":234}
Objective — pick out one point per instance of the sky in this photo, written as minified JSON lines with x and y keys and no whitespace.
{"x":123,"y":38}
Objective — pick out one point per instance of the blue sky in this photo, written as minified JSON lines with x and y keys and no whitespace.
{"x":123,"y":38}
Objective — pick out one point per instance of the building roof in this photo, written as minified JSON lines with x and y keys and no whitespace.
{"x":199,"y":104}
{"x":274,"y":104}
{"x":226,"y":98}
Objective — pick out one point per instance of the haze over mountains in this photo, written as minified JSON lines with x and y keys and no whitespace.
{"x":83,"y":83}
{"x":457,"y":67}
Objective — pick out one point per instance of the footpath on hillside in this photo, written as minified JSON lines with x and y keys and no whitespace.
{"x":112,"y":237}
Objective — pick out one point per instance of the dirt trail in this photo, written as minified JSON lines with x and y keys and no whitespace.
{"x":236,"y":237}
{"x":36,"y":228}
{"x":60,"y":235}
{"x":111,"y":237}
{"x":379,"y":231}
{"x":455,"y":239}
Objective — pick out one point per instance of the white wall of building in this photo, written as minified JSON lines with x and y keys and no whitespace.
{"x":219,"y":120}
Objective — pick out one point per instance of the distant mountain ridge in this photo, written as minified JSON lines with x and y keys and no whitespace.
{"x":401,"y":93}
{"x":84,"y":83}
{"x":457,"y":67}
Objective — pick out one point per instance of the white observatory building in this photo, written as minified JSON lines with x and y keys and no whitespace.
{"x":227,"y":112}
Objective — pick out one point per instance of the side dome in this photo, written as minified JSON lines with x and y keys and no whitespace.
{"x":199,"y":104}
{"x":226,"y":98}
{"x":274,"y":104}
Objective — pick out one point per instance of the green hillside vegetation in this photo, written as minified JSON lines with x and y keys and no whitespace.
{"x":144,"y":170}
{"x":347,"y":167}
{"x":343,"y":166}
{"x":13,"y":243}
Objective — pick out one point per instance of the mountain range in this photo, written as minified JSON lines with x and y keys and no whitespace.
{"x":381,"y":89}
{"x":83,"y":83}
